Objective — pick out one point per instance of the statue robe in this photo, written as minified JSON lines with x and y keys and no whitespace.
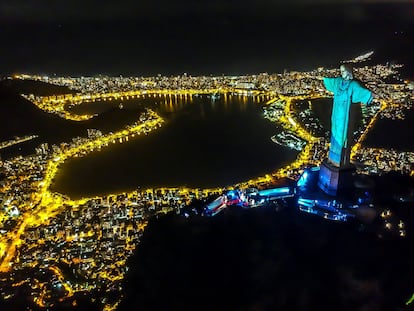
{"x":345,"y":92}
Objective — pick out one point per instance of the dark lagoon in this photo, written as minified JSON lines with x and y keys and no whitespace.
{"x":204,"y":142}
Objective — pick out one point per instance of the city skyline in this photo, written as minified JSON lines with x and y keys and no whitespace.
{"x":89,"y":225}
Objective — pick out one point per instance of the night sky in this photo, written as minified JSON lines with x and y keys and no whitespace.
{"x":199,"y":37}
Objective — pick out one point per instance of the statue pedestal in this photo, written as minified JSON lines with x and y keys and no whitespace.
{"x":333,"y":179}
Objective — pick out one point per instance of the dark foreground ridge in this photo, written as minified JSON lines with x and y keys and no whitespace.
{"x":263,"y":259}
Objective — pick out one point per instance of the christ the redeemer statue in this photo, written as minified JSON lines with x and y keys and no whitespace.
{"x":336,"y":172}
{"x":346,"y":91}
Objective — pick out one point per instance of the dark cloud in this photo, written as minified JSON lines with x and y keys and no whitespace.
{"x":95,"y":10}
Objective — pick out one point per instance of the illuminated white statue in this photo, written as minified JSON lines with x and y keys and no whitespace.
{"x":346,"y":91}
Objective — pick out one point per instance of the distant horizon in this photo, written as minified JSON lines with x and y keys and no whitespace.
{"x":86,"y":74}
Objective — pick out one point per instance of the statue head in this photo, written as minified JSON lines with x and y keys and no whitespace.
{"x":346,"y":72}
